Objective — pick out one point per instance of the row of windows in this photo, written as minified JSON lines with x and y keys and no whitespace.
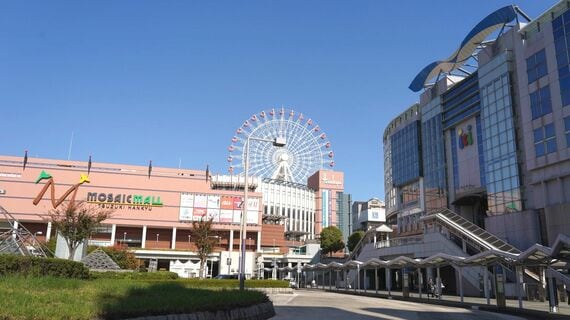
{"x":501,"y":170}
{"x":406,"y":158}
{"x":560,"y":29}
{"x":536,"y":66}
{"x":544,"y":140}
{"x":540,"y":103}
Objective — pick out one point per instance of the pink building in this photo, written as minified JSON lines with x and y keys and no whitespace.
{"x":153,"y":208}
{"x":326,"y":184}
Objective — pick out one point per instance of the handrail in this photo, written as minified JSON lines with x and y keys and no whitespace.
{"x":473,"y":237}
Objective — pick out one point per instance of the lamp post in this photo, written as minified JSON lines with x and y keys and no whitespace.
{"x":157,"y":235}
{"x":124,"y":237}
{"x":277,"y":142}
{"x":189,"y":246}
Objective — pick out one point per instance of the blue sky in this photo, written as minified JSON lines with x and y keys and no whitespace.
{"x":169,"y":80}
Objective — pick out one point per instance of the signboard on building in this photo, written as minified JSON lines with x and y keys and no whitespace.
{"x":219,"y":208}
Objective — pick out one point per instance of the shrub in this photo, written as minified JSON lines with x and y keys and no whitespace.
{"x":234,"y":283}
{"x":162,"y":275}
{"x":36,"y":267}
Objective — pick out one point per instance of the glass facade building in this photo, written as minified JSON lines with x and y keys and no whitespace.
{"x":406,"y":154}
{"x":491,"y":140}
{"x":344,"y":222}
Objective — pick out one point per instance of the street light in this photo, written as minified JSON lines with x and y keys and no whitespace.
{"x":189,"y":246}
{"x":277,"y":142}
{"x":157,"y":237}
{"x":124,"y":237}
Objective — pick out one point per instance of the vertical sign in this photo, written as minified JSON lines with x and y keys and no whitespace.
{"x":325,"y":208}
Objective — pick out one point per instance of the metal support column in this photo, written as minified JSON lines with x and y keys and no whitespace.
{"x":438,"y":283}
{"x":552,"y":295}
{"x":518,"y":272}
{"x":388,"y":281}
{"x":376,"y":279}
{"x":461,"y":283}
{"x":364,"y":282}
{"x":420,"y":281}
{"x":486,"y":284}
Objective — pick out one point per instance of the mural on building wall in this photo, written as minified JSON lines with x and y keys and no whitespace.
{"x":465,"y":138}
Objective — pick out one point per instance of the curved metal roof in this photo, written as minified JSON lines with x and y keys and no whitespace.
{"x":473,"y":39}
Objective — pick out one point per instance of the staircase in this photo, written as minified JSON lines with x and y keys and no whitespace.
{"x":477,"y":235}
{"x":445,"y":232}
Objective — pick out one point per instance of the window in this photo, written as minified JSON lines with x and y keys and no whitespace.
{"x":540,"y":103}
{"x":567,"y":131}
{"x":544,"y":140}
{"x":536,"y":66}
{"x":561,"y":33}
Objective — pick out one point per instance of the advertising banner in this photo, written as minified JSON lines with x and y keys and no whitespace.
{"x":186,"y":200}
{"x":213,"y":202}
{"x":200,"y":201}
{"x":185,"y":214}
{"x":227,"y":202}
{"x":237,"y":203}
{"x":199,"y":214}
{"x":214,"y":214}
{"x":252,"y":216}
{"x":253,"y":204}
{"x":226,"y":216}
{"x":237,"y":216}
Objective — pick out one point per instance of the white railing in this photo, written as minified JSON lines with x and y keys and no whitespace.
{"x":398,"y":242}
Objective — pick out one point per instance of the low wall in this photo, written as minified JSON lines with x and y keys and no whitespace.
{"x":260,"y":311}
{"x":269,"y":291}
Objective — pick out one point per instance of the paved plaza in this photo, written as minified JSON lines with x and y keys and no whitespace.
{"x":318,"y":305}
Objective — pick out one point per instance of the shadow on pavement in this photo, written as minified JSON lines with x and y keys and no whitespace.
{"x":464,"y":314}
{"x":318,"y":313}
{"x":330,"y":313}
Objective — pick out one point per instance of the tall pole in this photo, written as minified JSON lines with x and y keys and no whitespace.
{"x":243,"y":220}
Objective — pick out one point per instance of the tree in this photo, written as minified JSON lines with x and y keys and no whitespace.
{"x":331,"y":240}
{"x":75,"y":221}
{"x":354,"y":239}
{"x":204,"y":240}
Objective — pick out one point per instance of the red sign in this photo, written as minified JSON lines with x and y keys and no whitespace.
{"x":227,"y":202}
{"x":199,"y":212}
{"x":237,"y":203}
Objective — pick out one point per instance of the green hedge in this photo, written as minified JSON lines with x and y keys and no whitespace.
{"x":233,"y":283}
{"x":35,"y":267}
{"x":162,"y":275}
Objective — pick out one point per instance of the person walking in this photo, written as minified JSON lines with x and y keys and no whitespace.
{"x":431,"y":288}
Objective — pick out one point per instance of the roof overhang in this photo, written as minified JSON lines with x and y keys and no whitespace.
{"x":474,"y":39}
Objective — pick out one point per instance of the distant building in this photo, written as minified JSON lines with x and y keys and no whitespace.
{"x":368,"y":214}
{"x":344,"y":220}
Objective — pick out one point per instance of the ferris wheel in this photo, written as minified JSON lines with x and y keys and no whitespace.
{"x":306,"y":149}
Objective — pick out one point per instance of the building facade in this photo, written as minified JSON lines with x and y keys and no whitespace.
{"x":153,"y":209}
{"x":491,"y":143}
{"x":368,"y":214}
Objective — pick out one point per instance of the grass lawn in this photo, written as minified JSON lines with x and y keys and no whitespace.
{"x":58,"y":298}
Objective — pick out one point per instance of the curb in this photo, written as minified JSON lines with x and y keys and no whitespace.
{"x":260,"y":311}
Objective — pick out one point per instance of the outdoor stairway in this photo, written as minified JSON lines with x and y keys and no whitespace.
{"x":476,"y":234}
